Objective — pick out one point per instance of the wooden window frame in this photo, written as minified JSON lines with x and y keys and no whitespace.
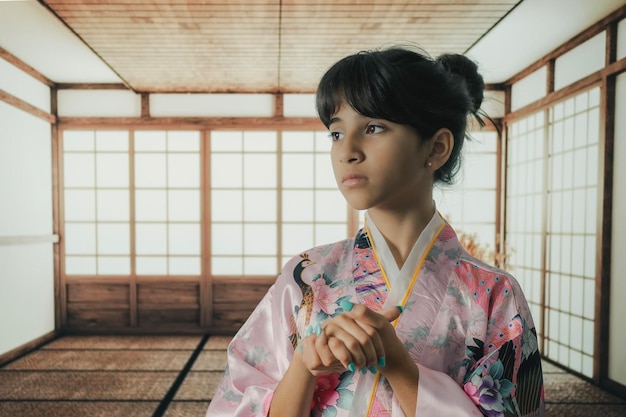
{"x":606,"y":78}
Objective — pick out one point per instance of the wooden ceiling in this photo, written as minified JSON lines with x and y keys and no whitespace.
{"x":262,"y":46}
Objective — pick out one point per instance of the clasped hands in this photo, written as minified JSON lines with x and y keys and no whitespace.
{"x":357,"y":339}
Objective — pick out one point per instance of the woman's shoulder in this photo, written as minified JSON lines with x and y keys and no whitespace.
{"x":326,"y":253}
{"x":497,"y":291}
{"x":484,"y":279}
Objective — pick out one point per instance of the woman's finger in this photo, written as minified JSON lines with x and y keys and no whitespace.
{"x":310,"y":358}
{"x":324,"y":352}
{"x":341,"y":353}
{"x":377,"y":343}
{"x":356,"y":340}
{"x":375,"y":324}
{"x":391,"y":313}
{"x":317,"y":356}
{"x":376,"y":319}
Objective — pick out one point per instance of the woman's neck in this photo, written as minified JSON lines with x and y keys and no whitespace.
{"x":402,"y":228}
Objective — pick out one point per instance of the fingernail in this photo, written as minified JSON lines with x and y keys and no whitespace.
{"x":318,"y":329}
{"x":308,"y":331}
{"x":363,"y":371}
{"x":351,"y":367}
{"x":300,"y":347}
{"x":400,"y":308}
{"x":346,"y":305}
{"x":382,"y":362}
{"x":373,"y":369}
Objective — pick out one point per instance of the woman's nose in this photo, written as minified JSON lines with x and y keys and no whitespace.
{"x":351,"y":151}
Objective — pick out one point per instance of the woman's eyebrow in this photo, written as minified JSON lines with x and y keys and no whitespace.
{"x":334,"y":120}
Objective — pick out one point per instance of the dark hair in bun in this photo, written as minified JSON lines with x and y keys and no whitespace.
{"x":407,"y":87}
{"x":467,"y":71}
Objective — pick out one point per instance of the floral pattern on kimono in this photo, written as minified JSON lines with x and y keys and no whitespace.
{"x":466,"y":325}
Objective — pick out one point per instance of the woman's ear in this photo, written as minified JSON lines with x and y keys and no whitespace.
{"x":440,"y":149}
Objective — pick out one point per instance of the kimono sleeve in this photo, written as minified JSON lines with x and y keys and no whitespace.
{"x":258,"y":357}
{"x":505,"y":377}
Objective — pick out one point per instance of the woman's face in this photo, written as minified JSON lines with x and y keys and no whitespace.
{"x":377,"y":163}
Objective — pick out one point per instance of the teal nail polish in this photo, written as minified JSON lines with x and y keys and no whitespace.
{"x":363,"y":371}
{"x":382,"y":362}
{"x":346,"y":305}
{"x":318,"y":329}
{"x":373,"y":369}
{"x":351,"y":367}
{"x":300,"y":348}
{"x":400,"y":308}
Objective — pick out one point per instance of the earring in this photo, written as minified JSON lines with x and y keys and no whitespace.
{"x":429,"y":164}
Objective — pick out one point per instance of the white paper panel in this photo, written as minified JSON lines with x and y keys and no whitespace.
{"x":298,"y":170}
{"x":114,"y":265}
{"x":98,"y":103}
{"x":181,"y":141}
{"x":226,"y":205}
{"x":26,"y":293}
{"x":259,"y":239}
{"x":150,"y":170}
{"x":151,"y":239}
{"x":298,"y":205}
{"x":226,"y":170}
{"x":80,"y":265}
{"x":262,"y":141}
{"x":150,"y":140}
{"x":189,"y":265}
{"x":580,"y":61}
{"x":531,"y":88}
{"x":297,"y":238}
{"x":226,"y":141}
{"x":184,"y":205}
{"x":330,"y":206}
{"x":256,"y":265}
{"x":150,"y":205}
{"x":211,"y":105}
{"x":21,"y":85}
{"x":325,"y":233}
{"x":184,"y":239}
{"x":227,"y":239}
{"x":183,"y":170}
{"x":226,"y":266}
{"x":299,"y":105}
{"x":151,"y":265}
{"x":26,"y":173}
{"x":260,"y":205}
{"x":259,"y":170}
{"x":113,"y":239}
{"x":295,"y":141}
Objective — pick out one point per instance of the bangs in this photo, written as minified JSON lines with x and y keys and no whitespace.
{"x":360,"y":81}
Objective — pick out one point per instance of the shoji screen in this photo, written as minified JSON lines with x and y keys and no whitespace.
{"x":552,"y":208}
{"x":524,"y":220}
{"x":572,"y":196}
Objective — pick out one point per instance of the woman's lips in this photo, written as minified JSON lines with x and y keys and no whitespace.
{"x":353,"y":180}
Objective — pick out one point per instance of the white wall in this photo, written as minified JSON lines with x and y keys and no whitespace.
{"x":26,"y":268}
{"x":617,"y":336}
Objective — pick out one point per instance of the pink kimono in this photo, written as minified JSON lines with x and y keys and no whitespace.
{"x":466,"y":325}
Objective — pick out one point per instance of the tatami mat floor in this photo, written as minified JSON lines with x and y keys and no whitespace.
{"x":176,"y":376}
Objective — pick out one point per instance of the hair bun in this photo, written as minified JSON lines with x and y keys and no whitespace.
{"x":466,"y":69}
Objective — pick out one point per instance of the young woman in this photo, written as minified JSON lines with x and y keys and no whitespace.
{"x":399,"y":320}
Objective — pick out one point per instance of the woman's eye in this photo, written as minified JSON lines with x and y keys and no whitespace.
{"x":374,"y":129}
{"x":335,"y":136}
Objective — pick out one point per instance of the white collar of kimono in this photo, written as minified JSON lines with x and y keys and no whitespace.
{"x":400,"y":279}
